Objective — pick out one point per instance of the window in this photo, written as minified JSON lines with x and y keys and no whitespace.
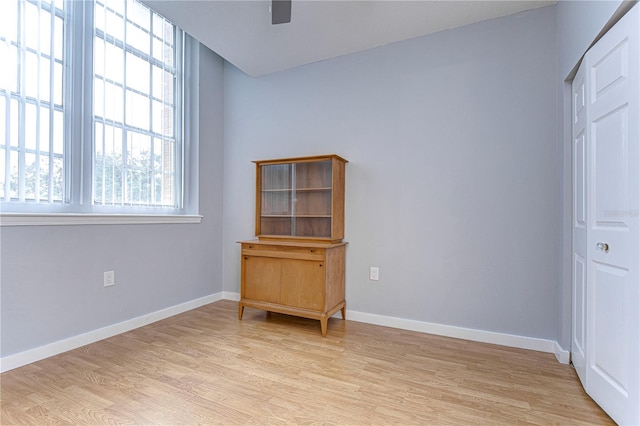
{"x":32,"y":115}
{"x":134,"y":94}
{"x":125,"y":153}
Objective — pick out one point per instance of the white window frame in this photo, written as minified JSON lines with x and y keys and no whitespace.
{"x":77,"y":207}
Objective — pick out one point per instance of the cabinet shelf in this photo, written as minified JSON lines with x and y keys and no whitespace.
{"x":296,"y":189}
{"x":301,"y":216}
{"x":312,"y":189}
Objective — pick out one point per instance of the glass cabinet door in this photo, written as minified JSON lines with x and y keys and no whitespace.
{"x":276,"y":199}
{"x":296,"y":199}
{"x":312,"y":200}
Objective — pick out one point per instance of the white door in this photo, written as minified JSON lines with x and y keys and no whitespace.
{"x":612,"y":195}
{"x":579,"y":219}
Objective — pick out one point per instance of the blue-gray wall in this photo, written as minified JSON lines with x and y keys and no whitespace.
{"x":453,"y":184}
{"x":52,"y":276}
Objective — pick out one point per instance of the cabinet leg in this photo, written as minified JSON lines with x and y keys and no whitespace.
{"x":240,"y":310}
{"x":323,"y":324}
{"x":344,"y":311}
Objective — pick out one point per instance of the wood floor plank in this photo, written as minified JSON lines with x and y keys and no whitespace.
{"x":207,"y":367}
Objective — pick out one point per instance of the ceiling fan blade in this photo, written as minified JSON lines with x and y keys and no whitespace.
{"x":280,"y":11}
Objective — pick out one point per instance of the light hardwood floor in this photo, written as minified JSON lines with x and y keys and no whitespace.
{"x":206,"y":367}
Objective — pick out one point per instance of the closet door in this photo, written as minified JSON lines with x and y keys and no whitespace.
{"x":612,"y":220}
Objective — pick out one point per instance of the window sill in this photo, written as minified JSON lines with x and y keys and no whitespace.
{"x":49,"y":219}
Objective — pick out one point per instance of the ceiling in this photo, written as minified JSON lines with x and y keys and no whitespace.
{"x":241,"y":32}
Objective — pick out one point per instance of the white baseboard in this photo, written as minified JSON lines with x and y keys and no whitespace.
{"x":563,"y":356}
{"x":230,"y":295}
{"x":10,"y":362}
{"x":514,"y":341}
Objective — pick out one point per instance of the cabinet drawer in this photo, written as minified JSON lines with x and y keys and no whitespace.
{"x":286,"y":252}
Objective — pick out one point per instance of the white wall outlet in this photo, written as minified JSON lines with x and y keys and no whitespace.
{"x":374,"y":273}
{"x":109,"y":278}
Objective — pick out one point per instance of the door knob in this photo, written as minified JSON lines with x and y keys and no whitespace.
{"x":603,"y":246}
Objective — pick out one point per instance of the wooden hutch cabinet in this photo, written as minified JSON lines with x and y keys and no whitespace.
{"x":297,"y":264}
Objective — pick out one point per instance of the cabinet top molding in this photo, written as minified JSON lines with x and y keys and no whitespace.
{"x":283,"y":243}
{"x":301,"y":159}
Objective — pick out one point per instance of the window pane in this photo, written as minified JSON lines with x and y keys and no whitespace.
{"x":5,"y":71}
{"x":31,"y":18}
{"x":98,"y":97}
{"x":168,"y":34}
{"x":137,"y":111}
{"x":14,"y":123}
{"x":99,"y":16}
{"x":45,"y":33}
{"x":167,"y":184}
{"x":98,"y":57}
{"x":98,"y":139}
{"x":163,"y":85}
{"x":30,"y":166}
{"x":158,"y":26}
{"x":3,"y":120}
{"x":44,"y":129}
{"x":30,"y":124}
{"x":169,"y":87}
{"x":138,"y":150}
{"x":157,"y":117}
{"x":2,"y":171}
{"x":114,"y":58}
{"x":58,"y":132}
{"x":3,"y":152}
{"x":58,"y":35}
{"x":138,"y":75}
{"x":58,"y":84}
{"x":15,"y":175}
{"x":108,"y":166}
{"x":138,"y":38}
{"x":44,"y":178}
{"x":162,"y":119}
{"x":158,"y":49}
{"x":12,"y":70}
{"x":109,"y":19}
{"x":113,"y":102}
{"x":8,"y":69}
{"x":58,"y":178}
{"x":45,"y":80}
{"x":138,"y":14}
{"x":30,"y":82}
{"x":117,"y":6}
{"x":9,"y":21}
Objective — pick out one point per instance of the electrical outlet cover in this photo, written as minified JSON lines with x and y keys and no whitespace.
{"x":374,"y":273}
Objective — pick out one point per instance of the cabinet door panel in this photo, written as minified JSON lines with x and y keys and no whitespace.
{"x":302,"y":284}
{"x":262,"y":278}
